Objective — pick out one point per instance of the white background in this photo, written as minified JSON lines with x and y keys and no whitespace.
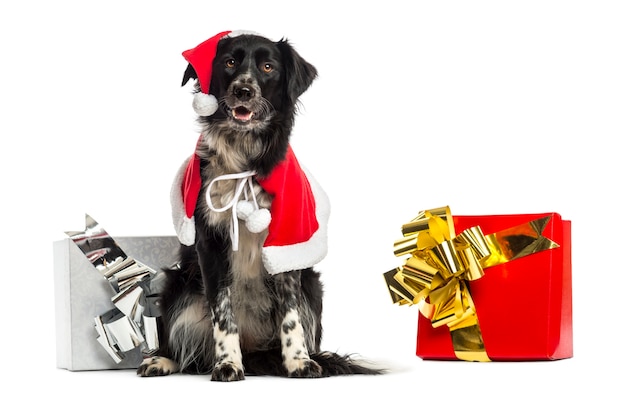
{"x":489,"y":107}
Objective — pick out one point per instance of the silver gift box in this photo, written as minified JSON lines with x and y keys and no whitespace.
{"x":82,"y":293}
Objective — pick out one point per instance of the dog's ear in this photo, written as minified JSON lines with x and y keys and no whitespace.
{"x":190,"y":74}
{"x":300,"y":73}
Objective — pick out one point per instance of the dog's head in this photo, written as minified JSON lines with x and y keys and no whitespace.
{"x":256,"y":81}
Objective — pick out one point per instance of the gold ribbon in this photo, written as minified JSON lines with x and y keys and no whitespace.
{"x":436,"y":275}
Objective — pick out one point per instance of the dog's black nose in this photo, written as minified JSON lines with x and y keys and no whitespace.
{"x":243,"y":92}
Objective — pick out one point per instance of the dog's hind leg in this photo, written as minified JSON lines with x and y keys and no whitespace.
{"x":157,"y":366}
{"x":294,"y":334}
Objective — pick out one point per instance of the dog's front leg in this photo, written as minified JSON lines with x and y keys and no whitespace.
{"x":229,"y":364}
{"x":215,"y":268}
{"x":293,"y":336}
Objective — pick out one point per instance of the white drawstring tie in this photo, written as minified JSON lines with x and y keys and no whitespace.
{"x":257,"y":219}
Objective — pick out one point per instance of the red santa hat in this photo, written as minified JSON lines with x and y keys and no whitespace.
{"x":201,"y":59}
{"x":296,"y":222}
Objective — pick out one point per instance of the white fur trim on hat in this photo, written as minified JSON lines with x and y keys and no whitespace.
{"x":241,"y":32}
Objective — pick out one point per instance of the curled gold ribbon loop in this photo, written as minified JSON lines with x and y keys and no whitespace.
{"x":435,"y":276}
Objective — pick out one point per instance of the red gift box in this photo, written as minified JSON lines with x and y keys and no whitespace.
{"x":524,"y":307}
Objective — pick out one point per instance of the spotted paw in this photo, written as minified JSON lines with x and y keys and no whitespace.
{"x":227,"y":372}
{"x":156,"y":366}
{"x":304,"y":368}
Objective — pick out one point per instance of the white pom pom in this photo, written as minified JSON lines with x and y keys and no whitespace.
{"x":187,"y":231}
{"x":204,"y":104}
{"x":244,"y":209}
{"x":258,"y":220}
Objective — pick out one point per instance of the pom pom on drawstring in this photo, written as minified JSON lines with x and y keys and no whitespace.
{"x":256,"y":220}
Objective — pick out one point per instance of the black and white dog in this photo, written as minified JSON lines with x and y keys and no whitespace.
{"x":237,"y":304}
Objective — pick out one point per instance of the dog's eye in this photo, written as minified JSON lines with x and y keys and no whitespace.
{"x":230,"y":63}
{"x":267,"y":67}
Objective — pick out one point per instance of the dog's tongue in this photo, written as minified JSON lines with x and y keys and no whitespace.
{"x":242,"y":114}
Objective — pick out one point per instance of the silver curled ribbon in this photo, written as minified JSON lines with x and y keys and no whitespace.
{"x":133,"y":322}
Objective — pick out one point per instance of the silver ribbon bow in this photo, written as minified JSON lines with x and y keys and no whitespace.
{"x":133,"y":322}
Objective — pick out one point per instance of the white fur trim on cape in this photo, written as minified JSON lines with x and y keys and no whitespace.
{"x":185,"y":227}
{"x":277,"y":259}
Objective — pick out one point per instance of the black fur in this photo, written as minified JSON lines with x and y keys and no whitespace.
{"x":217,"y":297}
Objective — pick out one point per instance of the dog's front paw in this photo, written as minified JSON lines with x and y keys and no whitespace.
{"x":304,"y":368}
{"x":226,"y":372}
{"x":156,"y":366}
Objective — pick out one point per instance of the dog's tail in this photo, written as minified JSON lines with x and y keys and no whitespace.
{"x":332,"y":364}
{"x":335,"y":364}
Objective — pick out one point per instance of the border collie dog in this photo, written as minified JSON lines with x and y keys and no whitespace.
{"x":244,"y":298}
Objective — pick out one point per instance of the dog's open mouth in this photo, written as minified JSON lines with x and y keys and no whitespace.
{"x":241,"y":113}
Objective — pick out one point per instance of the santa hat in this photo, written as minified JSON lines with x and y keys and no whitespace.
{"x":297,"y":220}
{"x":201,"y":59}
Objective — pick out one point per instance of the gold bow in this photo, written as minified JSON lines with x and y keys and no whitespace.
{"x":436,"y":275}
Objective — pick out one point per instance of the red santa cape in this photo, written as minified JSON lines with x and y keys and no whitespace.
{"x":297,"y":231}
